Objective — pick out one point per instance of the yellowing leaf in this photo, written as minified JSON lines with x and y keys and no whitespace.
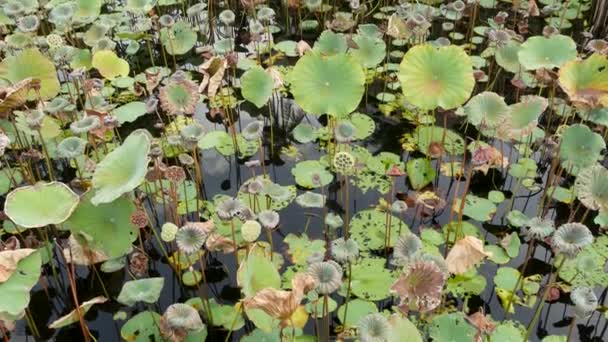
{"x":109,"y":65}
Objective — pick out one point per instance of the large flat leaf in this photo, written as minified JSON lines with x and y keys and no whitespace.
{"x":32,"y":63}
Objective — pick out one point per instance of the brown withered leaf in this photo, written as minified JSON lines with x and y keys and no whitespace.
{"x":217,"y":242}
{"x":303,"y":47}
{"x":213,"y":72}
{"x":466,"y":253}
{"x":9,"y":259}
{"x":281,"y":304}
{"x":14,"y":96}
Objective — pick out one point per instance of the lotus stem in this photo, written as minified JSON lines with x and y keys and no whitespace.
{"x":536,"y":316}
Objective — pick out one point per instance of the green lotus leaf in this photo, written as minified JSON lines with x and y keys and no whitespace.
{"x":87,"y":10}
{"x":470,"y":283}
{"x":257,"y":272}
{"x":301,"y":247}
{"x":596,"y":115}
{"x":581,"y":146}
{"x":368,"y":228}
{"x":586,"y":81}
{"x":508,"y":331}
{"x":143,"y":327}
{"x":304,"y":133}
{"x":31,"y":63}
{"x":256,"y":86}
{"x":486,"y":109}
{"x":40,"y":204}
{"x":511,"y":244}
{"x":425,"y":136}
{"x":212,"y":139}
{"x":523,"y":117}
{"x":140,"y":5}
{"x":106,"y":227}
{"x":542,"y":52}
{"x":225,"y":316}
{"x":330,"y":43}
{"x":178,"y":39}
{"x":130,"y":112}
{"x":109,"y":65}
{"x":141,"y":290}
{"x":450,"y":327}
{"x":16,"y":290}
{"x":507,"y":56}
{"x":370,"y":280}
{"x":311,"y":174}
{"x":357,"y":309}
{"x":74,"y":315}
{"x":288,"y":47}
{"x":475,"y":207}
{"x":315,"y":308}
{"x":9,"y":178}
{"x":327,"y":85}
{"x":365,"y":125}
{"x":432,"y":77}
{"x":123,"y":169}
{"x":402,"y":329}
{"x":420,"y":172}
{"x":370,"y":50}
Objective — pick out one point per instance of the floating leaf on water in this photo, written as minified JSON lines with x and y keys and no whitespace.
{"x":475,"y":207}
{"x":368,"y":228}
{"x":357,"y":309}
{"x":142,"y":327}
{"x":420,"y":172}
{"x":370,"y":280}
{"x":141,"y":290}
{"x":449,"y":327}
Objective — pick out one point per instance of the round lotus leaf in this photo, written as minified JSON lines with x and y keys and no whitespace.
{"x":304,"y":133}
{"x":365,"y":125}
{"x":524,"y":114}
{"x":402,"y":329}
{"x":40,"y":204}
{"x":31,"y":63}
{"x":487,"y":109}
{"x":507,"y":56}
{"x":591,"y":187}
{"x":357,"y":309}
{"x":508,"y":331}
{"x":178,"y":39}
{"x":123,"y":169}
{"x":256,"y":85}
{"x":8,"y":178}
{"x":581,"y":146}
{"x":311,"y":174}
{"x":370,"y":280}
{"x":330,"y":43}
{"x":327,"y":85}
{"x":450,"y":327}
{"x":498,"y":254}
{"x":110,"y":65}
{"x":106,"y":227}
{"x":475,"y":207}
{"x":301,"y":247}
{"x":496,"y":196}
{"x":142,"y":327}
{"x":542,"y":52}
{"x":130,"y":111}
{"x":586,"y":81}
{"x":425,"y":136}
{"x":141,"y":290}
{"x":432,"y":77}
{"x":369,"y":51}
{"x":16,"y":290}
{"x":368,"y":228}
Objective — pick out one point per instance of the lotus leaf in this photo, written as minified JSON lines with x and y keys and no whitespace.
{"x":370,"y":280}
{"x":357,"y":309}
{"x":311,"y":174}
{"x":507,"y":56}
{"x":486,"y":109}
{"x":469,"y":282}
{"x":523,"y":117}
{"x":581,"y":146}
{"x":16,"y":290}
{"x":475,"y":207}
{"x":586,"y":81}
{"x":304,"y":133}
{"x":31,"y":63}
{"x":257,"y":86}
{"x":109,"y":65}
{"x":40,"y":204}
{"x":432,"y":77}
{"x":106,"y":227}
{"x":370,"y":50}
{"x":257,"y":272}
{"x":141,"y":290}
{"x":420,"y":172}
{"x":122,"y":170}
{"x":427,"y":136}
{"x":74,"y":316}
{"x":142,"y":327}
{"x":87,"y":10}
{"x":508,"y":331}
{"x":368,"y":228}
{"x":301,"y":247}
{"x":330,"y":43}
{"x":327,"y":85}
{"x":130,"y":112}
{"x":449,"y":327}
{"x":365,"y":125}
{"x":178,"y":39}
{"x":402,"y":329}
{"x":542,"y":52}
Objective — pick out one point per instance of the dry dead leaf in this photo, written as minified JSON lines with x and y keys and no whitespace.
{"x":303,"y":47}
{"x":9,"y":260}
{"x":466,"y":252}
{"x":213,"y":73}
